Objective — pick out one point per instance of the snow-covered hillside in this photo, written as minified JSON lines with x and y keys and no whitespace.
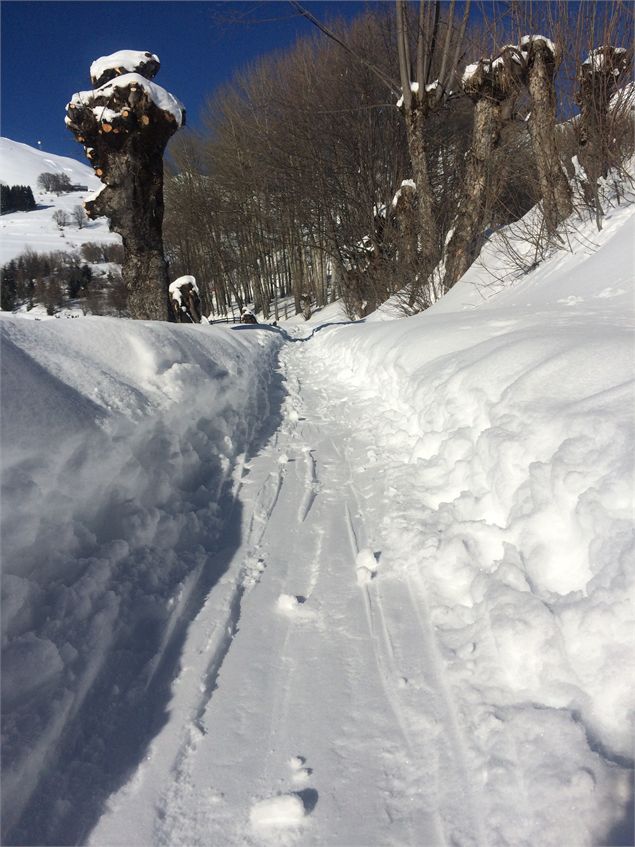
{"x":340,"y":584}
{"x":21,"y":164}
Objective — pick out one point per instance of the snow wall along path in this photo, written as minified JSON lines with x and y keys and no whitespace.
{"x":502,"y":429}
{"x":111,"y":430}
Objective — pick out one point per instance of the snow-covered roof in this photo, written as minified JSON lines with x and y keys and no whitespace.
{"x":126,"y":60}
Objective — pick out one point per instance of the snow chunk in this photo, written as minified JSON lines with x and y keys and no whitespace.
{"x":469,"y":71}
{"x":287,"y":603}
{"x":93,"y":195}
{"x":127,"y":60}
{"x":284,"y":810}
{"x":365,"y":565}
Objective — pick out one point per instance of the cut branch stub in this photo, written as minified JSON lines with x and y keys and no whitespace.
{"x":495,"y":78}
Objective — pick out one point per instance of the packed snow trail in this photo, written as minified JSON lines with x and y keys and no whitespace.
{"x":304,"y":676}
{"x":322,"y":701}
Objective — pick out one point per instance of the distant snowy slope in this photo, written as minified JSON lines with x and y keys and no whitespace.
{"x":19,"y":231}
{"x":22,"y":165}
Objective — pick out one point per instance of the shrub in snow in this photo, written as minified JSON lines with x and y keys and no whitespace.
{"x":125,"y":123}
{"x":61,"y":218}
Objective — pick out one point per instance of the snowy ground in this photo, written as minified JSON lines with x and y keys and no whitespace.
{"x":361,"y":584}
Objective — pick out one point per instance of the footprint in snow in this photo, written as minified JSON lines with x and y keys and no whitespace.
{"x":285,"y":810}
{"x":293,"y":606}
{"x":299,"y":774}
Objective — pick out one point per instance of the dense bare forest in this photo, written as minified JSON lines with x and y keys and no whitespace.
{"x":375,"y":157}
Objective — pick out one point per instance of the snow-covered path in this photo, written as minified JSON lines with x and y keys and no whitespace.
{"x":304,"y":676}
{"x":369,"y":588}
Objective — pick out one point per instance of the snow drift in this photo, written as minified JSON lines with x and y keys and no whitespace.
{"x":501,"y":423}
{"x":118,"y":443}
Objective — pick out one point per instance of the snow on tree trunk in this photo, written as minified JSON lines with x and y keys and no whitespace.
{"x":489,"y":83}
{"x":404,"y":205}
{"x":125,"y":123}
{"x":540,"y":62}
{"x":598,"y":79}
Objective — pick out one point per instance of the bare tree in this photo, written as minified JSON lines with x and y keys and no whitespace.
{"x":78,"y":216}
{"x":61,"y":218}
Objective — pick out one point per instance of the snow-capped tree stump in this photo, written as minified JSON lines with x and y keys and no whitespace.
{"x":598,"y":79}
{"x":540,"y":62}
{"x":185,"y":302}
{"x":489,"y":83}
{"x":125,"y":124}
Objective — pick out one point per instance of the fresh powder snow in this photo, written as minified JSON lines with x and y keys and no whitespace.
{"x":331,"y":583}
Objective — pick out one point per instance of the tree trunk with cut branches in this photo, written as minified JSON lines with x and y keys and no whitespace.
{"x":489,"y":83}
{"x":125,"y":124}
{"x":598,"y":79}
{"x":540,"y":63}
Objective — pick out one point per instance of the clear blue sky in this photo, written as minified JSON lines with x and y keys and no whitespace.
{"x":48,"y":46}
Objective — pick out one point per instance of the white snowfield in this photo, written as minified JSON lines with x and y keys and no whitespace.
{"x":36,"y":230}
{"x":351,"y":584}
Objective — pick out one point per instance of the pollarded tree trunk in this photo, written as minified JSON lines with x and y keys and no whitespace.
{"x":415,"y":119}
{"x":133,"y":201}
{"x":404,"y":203}
{"x":125,"y":123}
{"x":598,"y":79}
{"x":540,"y":62}
{"x":489,"y":83}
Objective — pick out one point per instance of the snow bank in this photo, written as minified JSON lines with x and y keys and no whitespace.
{"x":502,"y":423}
{"x":118,"y":442}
